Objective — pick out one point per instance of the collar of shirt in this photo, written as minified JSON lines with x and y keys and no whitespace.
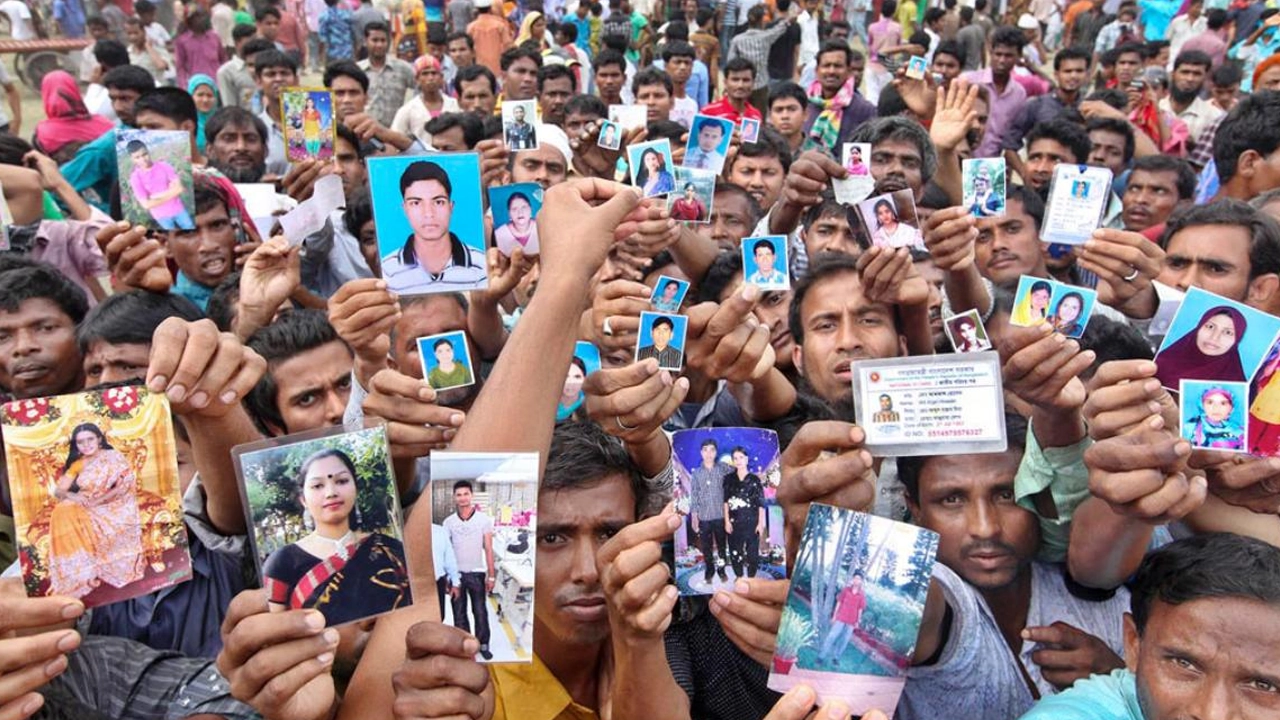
{"x":459,"y":255}
{"x":536,"y":693}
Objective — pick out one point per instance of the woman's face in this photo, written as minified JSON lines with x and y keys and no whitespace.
{"x":740,"y":460}
{"x":520,"y":213}
{"x":444,"y":354}
{"x":652,"y":161}
{"x":1217,"y":407}
{"x":884,"y":215}
{"x":87,"y":442}
{"x":573,"y":382}
{"x":1216,"y":336}
{"x":538,"y":28}
{"x":329,"y":491}
{"x":1039,"y":299}
{"x":1069,"y":309}
{"x":205,"y":98}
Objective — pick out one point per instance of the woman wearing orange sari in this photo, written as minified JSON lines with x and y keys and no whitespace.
{"x":95,"y":529}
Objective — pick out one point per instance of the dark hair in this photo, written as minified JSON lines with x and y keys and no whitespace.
{"x":770,"y":143}
{"x":1031,"y":201}
{"x":420,"y":170}
{"x":1111,"y":340}
{"x":1008,"y":36}
{"x":1071,"y":53}
{"x":952,"y":48}
{"x":911,"y":468}
{"x":171,"y":103}
{"x":888,"y":7}
{"x":41,"y":281}
{"x":652,"y":76}
{"x":471,"y":73}
{"x":463,"y":484}
{"x":111,"y":53}
{"x":1205,"y":566}
{"x":556,"y":72}
{"x":348,"y":135}
{"x":1193,"y":57}
{"x":274,"y":59}
{"x":831,"y":46}
{"x":321,"y":455}
{"x":900,"y":129}
{"x":1111,"y":96}
{"x":1226,"y":75}
{"x":128,"y":77}
{"x":472,"y":126}
{"x":442,"y":341}
{"x":236,"y":117}
{"x":131,"y":318}
{"x":609,"y":56}
{"x":753,"y":205}
{"x":1117,"y":126}
{"x":701,"y":122}
{"x":1041,"y":285}
{"x":583,"y":104}
{"x":661,"y":320}
{"x":1251,"y":125}
{"x":1130,"y":48}
{"x":242,"y":31}
{"x":884,"y":202}
{"x":255,"y":46}
{"x":791,"y":90}
{"x":377,"y":26}
{"x":583,"y":455}
{"x":1066,"y":133}
{"x":512,"y":54}
{"x":346,"y":68}
{"x":966,"y":14}
{"x":566,"y":30}
{"x":221,"y":307}
{"x":74,"y":453}
{"x":1184,"y":177}
{"x":678,"y":48}
{"x":266,"y":12}
{"x":1216,"y":18}
{"x":739,"y":64}
{"x":822,"y":267}
{"x":291,"y":334}
{"x":134,"y":146}
{"x":765,"y":244}
{"x":1264,"y":232}
{"x":709,"y":442}
{"x":461,"y":35}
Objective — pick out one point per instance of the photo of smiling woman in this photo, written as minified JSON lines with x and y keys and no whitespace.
{"x":520,"y":230}
{"x":339,"y":568}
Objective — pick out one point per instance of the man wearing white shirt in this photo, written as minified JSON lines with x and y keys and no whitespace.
{"x":1185,"y":27}
{"x":1190,"y":70}
{"x":21,"y":24}
{"x":809,"y":41}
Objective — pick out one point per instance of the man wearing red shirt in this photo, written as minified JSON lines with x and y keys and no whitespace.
{"x":739,"y":77}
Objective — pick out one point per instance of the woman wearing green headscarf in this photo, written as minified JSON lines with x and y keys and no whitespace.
{"x":205,"y":93}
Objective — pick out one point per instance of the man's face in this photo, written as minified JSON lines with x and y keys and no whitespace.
{"x":737,"y":85}
{"x":349,"y":166}
{"x":206,"y":254}
{"x":898,"y":160}
{"x":477,"y":96}
{"x":661,"y":335}
{"x":99,"y":31}
{"x":657,"y":100}
{"x":886,"y":403}
{"x":349,"y":96}
{"x":430,"y":81}
{"x":1189,"y":77}
{"x":451,"y":140}
{"x":1009,"y":247}
{"x":378,"y":43}
{"x":518,"y":113}
{"x":1149,"y":199}
{"x":572,"y":526}
{"x":1224,"y":96}
{"x":38,"y":351}
{"x":462,"y":498}
{"x":312,"y":387}
{"x":786,"y":115}
{"x":708,"y":455}
{"x":135,"y":35}
{"x":1107,"y":151}
{"x":574,"y":122}
{"x":545,"y":166}
{"x":269,"y":27}
{"x":761,"y":176}
{"x":709,"y":136}
{"x":274,"y":79}
{"x":840,"y":33}
{"x":239,"y":153}
{"x":1206,"y":658}
{"x":730,"y":221}
{"x":122,"y":102}
{"x":1072,"y":75}
{"x":555,"y":93}
{"x":986,"y":538}
{"x":609,"y":79}
{"x":1043,"y":156}
{"x":1127,"y":67}
{"x":680,"y":68}
{"x":841,"y":326}
{"x":833,"y":71}
{"x":141,"y":158}
{"x":428,"y":209}
{"x":108,"y":363}
{"x":764,"y":259}
{"x":831,"y":232}
{"x":461,"y":53}
{"x":1003,"y":58}
{"x":520,"y":82}
{"x":1210,"y":257}
{"x":948,"y":66}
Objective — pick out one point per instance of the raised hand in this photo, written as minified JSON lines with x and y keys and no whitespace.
{"x":363,"y":312}
{"x":1125,"y":397}
{"x":950,"y":235}
{"x":29,"y":661}
{"x":271,"y":274}
{"x":440,"y":677}
{"x":954,"y":117}
{"x":135,"y":260}
{"x":619,"y":302}
{"x":1125,"y":263}
{"x":726,"y":342}
{"x":1043,"y":367}
{"x":1066,"y":653}
{"x":1143,"y":475}
{"x":203,"y":371}
{"x":750,"y":615}
{"x":889,"y":276}
{"x":635,"y":578}
{"x":579,"y":222}
{"x":825,"y":463}
{"x":415,"y":424}
{"x":632,"y":402}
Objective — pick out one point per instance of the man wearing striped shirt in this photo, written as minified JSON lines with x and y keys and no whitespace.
{"x":754,"y":44}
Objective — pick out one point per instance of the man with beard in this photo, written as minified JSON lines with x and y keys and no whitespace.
{"x":236,"y":144}
{"x":1190,"y":70}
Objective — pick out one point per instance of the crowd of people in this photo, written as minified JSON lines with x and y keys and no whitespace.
{"x":1099,"y":568}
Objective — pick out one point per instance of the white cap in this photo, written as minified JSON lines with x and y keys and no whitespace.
{"x":554,"y":136}
{"x":1026,"y":22}
{"x":483,"y":4}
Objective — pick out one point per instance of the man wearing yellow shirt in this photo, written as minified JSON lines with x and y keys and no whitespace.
{"x":908,"y":13}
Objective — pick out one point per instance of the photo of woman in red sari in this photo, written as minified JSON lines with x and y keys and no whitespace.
{"x":95,"y":529}
{"x":338,"y":569}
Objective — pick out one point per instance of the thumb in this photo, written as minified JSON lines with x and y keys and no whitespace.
{"x":618,"y":207}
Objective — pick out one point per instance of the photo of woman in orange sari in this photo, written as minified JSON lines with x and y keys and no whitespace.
{"x":95,"y":529}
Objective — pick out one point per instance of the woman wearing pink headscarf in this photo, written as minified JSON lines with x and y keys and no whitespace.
{"x":68,"y":124}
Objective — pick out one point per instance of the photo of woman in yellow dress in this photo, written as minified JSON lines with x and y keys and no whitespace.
{"x":96,"y":530}
{"x":311,"y":127}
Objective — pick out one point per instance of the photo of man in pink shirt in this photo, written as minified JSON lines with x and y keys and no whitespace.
{"x":158,"y":188}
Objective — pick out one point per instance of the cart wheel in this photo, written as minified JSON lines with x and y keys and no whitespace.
{"x":38,"y":65}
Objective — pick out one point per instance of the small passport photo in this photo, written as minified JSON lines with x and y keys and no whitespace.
{"x":97,"y":499}
{"x":515,"y":212}
{"x":727,"y":490}
{"x":484,"y":507}
{"x":446,"y":360}
{"x":662,"y":336}
{"x":156,"y":185}
{"x":326,"y":526}
{"x":853,"y":613}
{"x":891,"y":220}
{"x":984,"y":186}
{"x":1214,"y":414}
{"x":308,"y":124}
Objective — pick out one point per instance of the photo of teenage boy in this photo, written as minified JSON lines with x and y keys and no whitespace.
{"x":661,"y":330}
{"x":766,"y":275}
{"x":471,"y":534}
{"x":158,"y":188}
{"x":432,"y":258}
{"x":706,"y":509}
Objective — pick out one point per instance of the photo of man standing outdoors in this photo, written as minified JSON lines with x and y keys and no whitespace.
{"x":471,"y":533}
